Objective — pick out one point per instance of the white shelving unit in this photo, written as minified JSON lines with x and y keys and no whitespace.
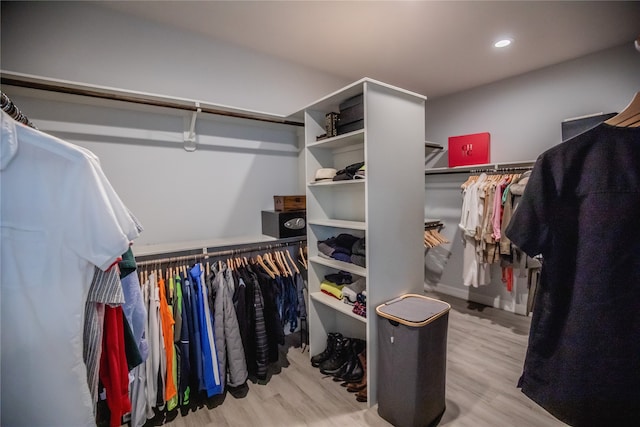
{"x":387,"y":208}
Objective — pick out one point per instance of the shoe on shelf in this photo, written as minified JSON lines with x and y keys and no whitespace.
{"x":328,"y":351}
{"x":361,"y":396}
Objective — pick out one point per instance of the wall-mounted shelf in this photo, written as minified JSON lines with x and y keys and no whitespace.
{"x":433,"y":145}
{"x":487,"y":167}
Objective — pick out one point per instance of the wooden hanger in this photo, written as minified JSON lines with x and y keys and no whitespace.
{"x":264,"y":266}
{"x":304,"y":261}
{"x":286,"y":263}
{"x":295,"y":267}
{"x":630,"y":116}
{"x":275,"y":256}
{"x":272,"y":264}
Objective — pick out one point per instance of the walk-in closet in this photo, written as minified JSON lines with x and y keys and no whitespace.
{"x":277,"y":213}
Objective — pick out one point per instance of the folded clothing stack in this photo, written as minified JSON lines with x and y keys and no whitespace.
{"x":332,"y":289}
{"x":350,"y":292}
{"x":344,"y":247}
{"x":342,"y":286}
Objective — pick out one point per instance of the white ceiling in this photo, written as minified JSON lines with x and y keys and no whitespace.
{"x":431,"y":47}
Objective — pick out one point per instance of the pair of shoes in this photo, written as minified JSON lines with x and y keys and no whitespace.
{"x":328,"y":351}
{"x":338,"y":358}
{"x":360,"y":387}
{"x":352,"y":370}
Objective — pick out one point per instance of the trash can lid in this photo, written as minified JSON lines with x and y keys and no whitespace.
{"x":413,"y":310}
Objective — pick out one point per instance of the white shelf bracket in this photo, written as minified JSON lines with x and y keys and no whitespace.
{"x":190,"y":134}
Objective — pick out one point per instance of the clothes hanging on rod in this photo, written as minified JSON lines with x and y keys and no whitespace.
{"x":488,"y":203}
{"x":580,"y":211}
{"x":227,"y":316}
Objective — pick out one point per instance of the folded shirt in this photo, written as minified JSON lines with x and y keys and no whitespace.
{"x":341,"y":256}
{"x":331,"y":289}
{"x":339,"y":278}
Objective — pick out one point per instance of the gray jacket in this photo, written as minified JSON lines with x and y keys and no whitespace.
{"x":231,"y":358}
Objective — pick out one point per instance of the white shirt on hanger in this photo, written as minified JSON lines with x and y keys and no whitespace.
{"x":59,"y":218}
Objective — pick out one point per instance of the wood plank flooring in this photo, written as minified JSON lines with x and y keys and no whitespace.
{"x":486,"y":349}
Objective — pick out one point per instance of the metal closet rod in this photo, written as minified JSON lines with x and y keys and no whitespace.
{"x":218,"y":254}
{"x":500,"y":170}
{"x":51,"y":87}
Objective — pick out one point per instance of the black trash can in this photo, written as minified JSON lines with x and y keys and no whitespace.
{"x":412,"y":356}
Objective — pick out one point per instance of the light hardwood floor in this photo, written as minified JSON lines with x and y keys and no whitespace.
{"x":486,"y":348}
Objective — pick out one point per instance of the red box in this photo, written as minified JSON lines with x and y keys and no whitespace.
{"x":469,"y":149}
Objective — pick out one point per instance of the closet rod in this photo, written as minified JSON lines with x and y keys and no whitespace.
{"x":104,"y":93}
{"x":218,"y":253}
{"x":499,"y":170}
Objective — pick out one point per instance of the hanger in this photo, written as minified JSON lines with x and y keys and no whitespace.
{"x":264,"y":266}
{"x":304,"y":261}
{"x":295,"y":267}
{"x":283,"y":263}
{"x":630,"y":116}
{"x":286,"y":263}
{"x":269,"y":259}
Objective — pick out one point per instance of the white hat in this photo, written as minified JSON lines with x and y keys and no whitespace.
{"x":324,"y":174}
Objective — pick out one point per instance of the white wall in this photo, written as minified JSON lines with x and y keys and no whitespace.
{"x":217,"y":191}
{"x":523,"y":115}
{"x":84,"y":42}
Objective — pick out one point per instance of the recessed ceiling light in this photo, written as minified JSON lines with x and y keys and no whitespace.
{"x":502,"y":43}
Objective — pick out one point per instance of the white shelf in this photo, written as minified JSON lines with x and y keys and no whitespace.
{"x":337,"y":305}
{"x":338,"y":223}
{"x":340,"y":265}
{"x":331,"y":183}
{"x":340,"y":141}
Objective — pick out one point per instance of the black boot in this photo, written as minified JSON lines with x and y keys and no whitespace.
{"x":352,"y":371}
{"x":339,"y":357}
{"x":328,"y":351}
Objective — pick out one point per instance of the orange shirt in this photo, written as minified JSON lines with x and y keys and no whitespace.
{"x":166,"y":318}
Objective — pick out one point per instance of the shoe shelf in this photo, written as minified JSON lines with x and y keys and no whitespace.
{"x":337,"y":305}
{"x":340,"y":265}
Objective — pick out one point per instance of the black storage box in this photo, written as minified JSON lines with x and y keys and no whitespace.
{"x":412,"y":355}
{"x":351,"y":115}
{"x":284,"y":224}
{"x":574,"y":127}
